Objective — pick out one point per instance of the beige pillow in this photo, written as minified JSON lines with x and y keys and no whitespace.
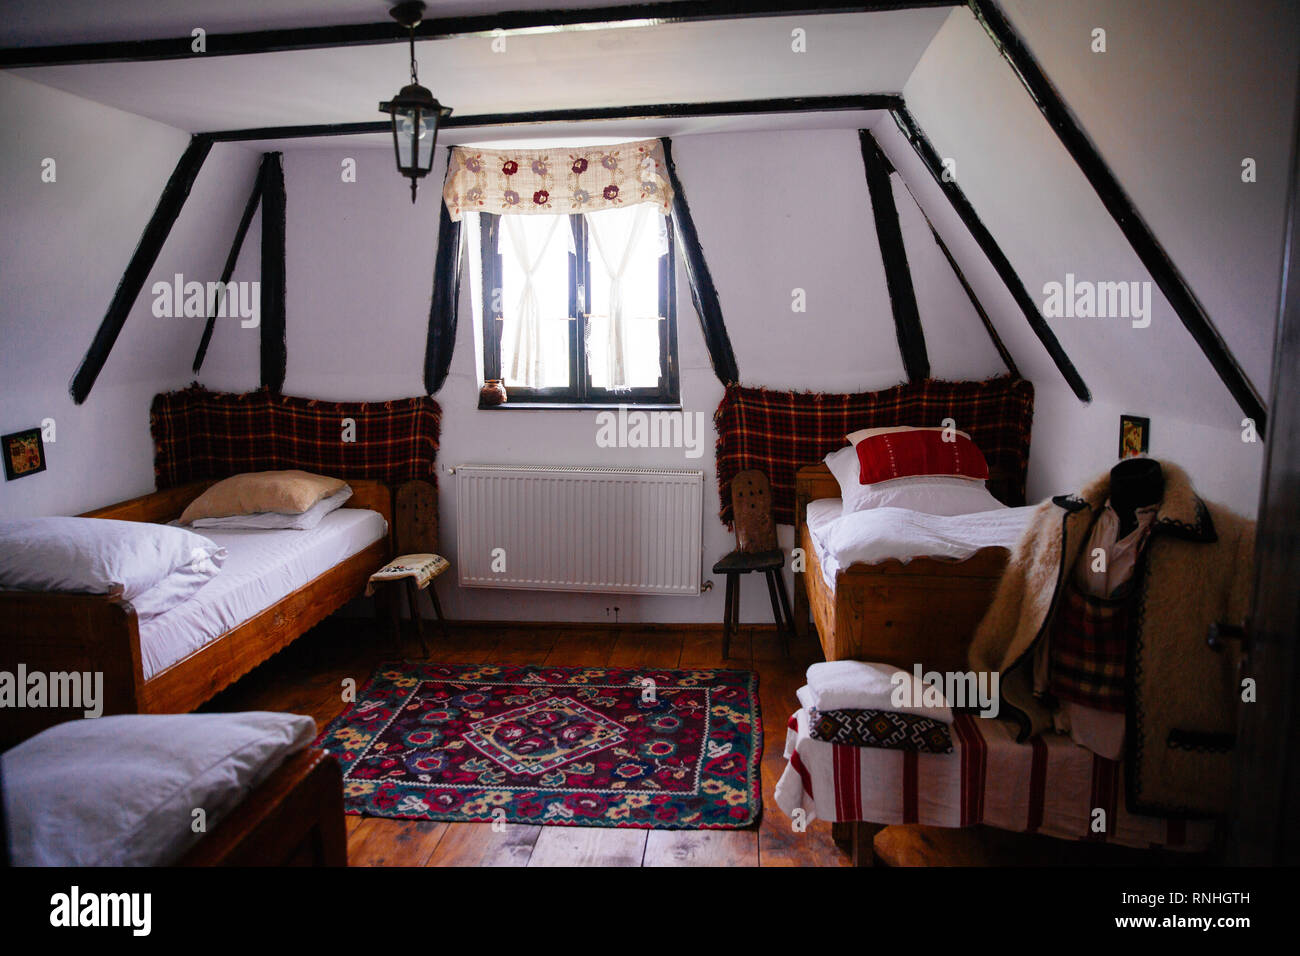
{"x":854,"y":437}
{"x":284,"y":492}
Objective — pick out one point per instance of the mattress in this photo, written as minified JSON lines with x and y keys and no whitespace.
{"x":261,"y":568}
{"x":883,"y":534}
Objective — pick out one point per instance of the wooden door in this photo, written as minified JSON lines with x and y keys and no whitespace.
{"x":1265,"y":828}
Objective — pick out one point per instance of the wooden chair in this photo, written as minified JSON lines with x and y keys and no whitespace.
{"x":756,"y":550}
{"x":417,"y":565}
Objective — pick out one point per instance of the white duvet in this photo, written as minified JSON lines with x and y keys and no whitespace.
{"x":882,"y":534}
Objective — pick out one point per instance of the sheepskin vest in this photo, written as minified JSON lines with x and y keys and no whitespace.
{"x":1182,"y":696}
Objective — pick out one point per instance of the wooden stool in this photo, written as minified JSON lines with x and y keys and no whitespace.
{"x":415,"y":572}
{"x":415,"y":536}
{"x":751,"y":508}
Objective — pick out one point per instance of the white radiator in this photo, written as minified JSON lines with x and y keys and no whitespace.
{"x":623,"y":530}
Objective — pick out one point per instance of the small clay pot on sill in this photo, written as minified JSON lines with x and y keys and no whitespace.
{"x":493,"y":392}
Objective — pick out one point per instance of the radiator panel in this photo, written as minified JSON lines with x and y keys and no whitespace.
{"x":624,"y":531}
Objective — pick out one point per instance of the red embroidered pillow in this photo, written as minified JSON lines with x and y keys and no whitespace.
{"x":904,"y":454}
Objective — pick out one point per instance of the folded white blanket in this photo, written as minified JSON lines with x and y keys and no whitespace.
{"x":859,"y":685}
{"x":882,"y":534}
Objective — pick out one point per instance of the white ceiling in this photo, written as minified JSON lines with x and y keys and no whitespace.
{"x":703,"y":61}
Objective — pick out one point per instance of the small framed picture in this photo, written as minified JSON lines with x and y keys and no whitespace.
{"x":1134,"y":436}
{"x":24,"y":453}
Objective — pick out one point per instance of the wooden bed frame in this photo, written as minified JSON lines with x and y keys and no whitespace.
{"x":922,"y":612}
{"x":295,"y":818}
{"x":56,"y":632}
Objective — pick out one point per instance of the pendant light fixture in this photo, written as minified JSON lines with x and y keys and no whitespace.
{"x":415,"y":113}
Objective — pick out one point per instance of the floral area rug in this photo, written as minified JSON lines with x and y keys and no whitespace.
{"x":578,"y":746}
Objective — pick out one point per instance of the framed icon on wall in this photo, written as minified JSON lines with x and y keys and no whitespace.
{"x":1134,"y":436}
{"x":24,"y":453}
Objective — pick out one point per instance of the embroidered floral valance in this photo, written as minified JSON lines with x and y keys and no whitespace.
{"x":563,"y":180}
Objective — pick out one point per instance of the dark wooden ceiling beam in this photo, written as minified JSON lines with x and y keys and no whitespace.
{"x":142,"y":261}
{"x":231,"y":259}
{"x":274,"y":353}
{"x":992,"y":251}
{"x":1117,"y":202}
{"x":440,"y":28}
{"x":704,"y":294}
{"x":898,"y":276}
{"x":996,"y":339}
{"x":795,"y":104}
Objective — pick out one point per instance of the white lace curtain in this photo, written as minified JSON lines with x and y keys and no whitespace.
{"x":615,"y":239}
{"x":525,"y":356}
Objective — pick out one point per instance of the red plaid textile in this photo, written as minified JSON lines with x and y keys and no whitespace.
{"x":1088,"y":650}
{"x":780,"y":432}
{"x":200,"y":434}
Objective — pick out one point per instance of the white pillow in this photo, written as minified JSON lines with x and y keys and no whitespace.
{"x":98,"y":555}
{"x":276,"y":520}
{"x":122,"y":791}
{"x":177,"y":588}
{"x":929,"y":494}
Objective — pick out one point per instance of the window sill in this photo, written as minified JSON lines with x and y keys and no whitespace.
{"x":581,"y":406}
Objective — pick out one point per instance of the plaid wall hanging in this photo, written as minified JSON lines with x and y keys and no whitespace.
{"x":780,"y":432}
{"x":199,"y":434}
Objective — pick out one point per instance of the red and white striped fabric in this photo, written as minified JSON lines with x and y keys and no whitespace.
{"x":1048,"y":785}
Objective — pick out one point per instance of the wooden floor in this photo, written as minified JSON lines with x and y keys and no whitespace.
{"x":307,"y":678}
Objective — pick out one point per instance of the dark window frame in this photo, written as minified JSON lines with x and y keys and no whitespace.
{"x":580,"y":390}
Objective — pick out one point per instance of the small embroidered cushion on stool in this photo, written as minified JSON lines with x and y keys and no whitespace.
{"x":422,"y":567}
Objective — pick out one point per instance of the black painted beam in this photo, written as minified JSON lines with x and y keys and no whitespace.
{"x":996,"y":339}
{"x":1117,"y":202}
{"x":926,"y":151}
{"x":445,"y":306}
{"x":796,"y":104}
{"x":273,"y":351}
{"x":703,"y":292}
{"x":228,"y":270}
{"x":440,"y":28}
{"x":142,"y":261}
{"x":898,"y":277}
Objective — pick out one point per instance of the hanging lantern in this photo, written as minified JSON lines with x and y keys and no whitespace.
{"x":415,"y":113}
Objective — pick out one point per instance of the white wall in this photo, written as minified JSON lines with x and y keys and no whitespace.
{"x":360,"y":261}
{"x":63,"y":249}
{"x":1185,"y":90}
{"x":1049,"y":221}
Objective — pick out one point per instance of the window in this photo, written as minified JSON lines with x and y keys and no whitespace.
{"x":547,"y":290}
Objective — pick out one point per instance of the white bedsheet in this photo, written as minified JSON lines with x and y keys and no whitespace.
{"x":261,"y":568}
{"x":882,"y":534}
